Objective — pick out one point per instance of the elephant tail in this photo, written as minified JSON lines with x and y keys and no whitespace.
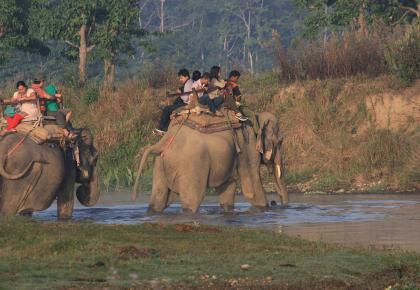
{"x":151,"y":149}
{"x":10,"y":176}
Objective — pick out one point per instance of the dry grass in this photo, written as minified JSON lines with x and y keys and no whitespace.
{"x":353,"y":52}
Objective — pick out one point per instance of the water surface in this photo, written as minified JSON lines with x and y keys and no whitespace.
{"x":388,"y":220}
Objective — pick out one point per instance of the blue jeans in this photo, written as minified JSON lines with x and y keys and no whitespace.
{"x":212,"y":103}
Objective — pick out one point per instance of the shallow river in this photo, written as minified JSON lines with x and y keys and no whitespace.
{"x":383,"y":220}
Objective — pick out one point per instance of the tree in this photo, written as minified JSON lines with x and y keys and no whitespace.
{"x":15,"y":32}
{"x":333,"y":15}
{"x":73,"y":22}
{"x":114,"y":31}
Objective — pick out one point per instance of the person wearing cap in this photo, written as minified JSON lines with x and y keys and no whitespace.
{"x":48,"y":102}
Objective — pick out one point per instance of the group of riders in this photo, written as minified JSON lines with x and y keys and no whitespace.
{"x":29,"y":104}
{"x":207,"y":90}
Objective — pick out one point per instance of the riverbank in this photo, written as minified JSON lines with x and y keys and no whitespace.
{"x":346,"y":134}
{"x":50,"y":255}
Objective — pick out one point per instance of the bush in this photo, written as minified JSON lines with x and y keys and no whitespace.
{"x":403,"y":57}
{"x":90,"y":93}
{"x":353,"y":52}
{"x":385,"y":149}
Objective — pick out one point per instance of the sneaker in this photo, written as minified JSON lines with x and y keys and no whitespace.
{"x":241,"y":117}
{"x":158,"y":132}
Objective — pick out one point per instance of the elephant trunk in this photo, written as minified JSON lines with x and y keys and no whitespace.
{"x":88,"y":194}
{"x":10,"y":176}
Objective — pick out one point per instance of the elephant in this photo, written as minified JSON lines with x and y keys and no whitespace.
{"x":269,"y":141}
{"x":189,"y":162}
{"x":33,"y":175}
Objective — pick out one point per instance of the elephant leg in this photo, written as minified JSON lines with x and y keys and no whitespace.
{"x":191,"y":199}
{"x":172,"y":198}
{"x":65,"y":195}
{"x":160,"y":191}
{"x":226,"y":194}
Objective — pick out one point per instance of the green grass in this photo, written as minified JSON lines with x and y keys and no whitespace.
{"x":35,"y":255}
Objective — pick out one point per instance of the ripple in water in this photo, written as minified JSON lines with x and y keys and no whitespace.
{"x":209,"y":213}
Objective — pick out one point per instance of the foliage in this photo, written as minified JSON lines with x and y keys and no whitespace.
{"x":327,"y":16}
{"x":199,"y":34}
{"x":15,"y":29}
{"x":378,"y":50}
{"x":403,"y":55}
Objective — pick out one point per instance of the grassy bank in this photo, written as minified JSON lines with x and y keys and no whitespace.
{"x":36,"y":255}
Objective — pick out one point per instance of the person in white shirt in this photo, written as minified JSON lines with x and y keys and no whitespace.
{"x":215,"y":97}
{"x":183,"y":100}
{"x":23,"y":105}
{"x":200,"y":86}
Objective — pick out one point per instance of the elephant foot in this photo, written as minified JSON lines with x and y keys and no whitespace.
{"x":227,"y":207}
{"x":257,"y":209}
{"x":189,"y":211}
{"x":152,"y":211}
{"x":65,"y":218}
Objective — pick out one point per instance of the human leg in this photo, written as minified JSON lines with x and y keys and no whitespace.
{"x":166,"y":114}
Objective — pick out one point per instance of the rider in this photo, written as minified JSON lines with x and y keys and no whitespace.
{"x":215,"y":92}
{"x":23,"y":106}
{"x":182,"y":100}
{"x":49,"y":104}
{"x":235,"y":96}
{"x":201,"y":85}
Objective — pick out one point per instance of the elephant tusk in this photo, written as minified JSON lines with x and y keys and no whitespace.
{"x":278,"y":171}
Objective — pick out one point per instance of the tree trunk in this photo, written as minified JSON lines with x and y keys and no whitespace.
{"x":251,"y":61}
{"x":83,"y":50}
{"x":162,"y":16}
{"x":109,"y":72}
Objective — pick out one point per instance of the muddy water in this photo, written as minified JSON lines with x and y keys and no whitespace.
{"x":383,"y":220}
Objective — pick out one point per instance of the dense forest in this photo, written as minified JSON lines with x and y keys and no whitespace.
{"x":127,"y":37}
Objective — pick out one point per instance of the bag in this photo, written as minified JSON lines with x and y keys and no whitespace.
{"x":38,"y":134}
{"x":10,"y":111}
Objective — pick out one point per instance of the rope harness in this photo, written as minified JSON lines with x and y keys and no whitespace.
{"x":172,"y":138}
{"x":18,"y":144}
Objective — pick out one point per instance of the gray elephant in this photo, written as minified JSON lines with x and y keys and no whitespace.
{"x":33,"y":175}
{"x":190,"y":161}
{"x":269,"y":141}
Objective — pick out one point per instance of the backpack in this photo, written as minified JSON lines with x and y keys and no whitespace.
{"x":10,"y":111}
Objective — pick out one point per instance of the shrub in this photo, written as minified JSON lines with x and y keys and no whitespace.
{"x":385,"y":149}
{"x":352,"y":52}
{"x":403,"y":57}
{"x":90,"y":93}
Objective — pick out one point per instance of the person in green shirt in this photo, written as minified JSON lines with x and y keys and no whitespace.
{"x":62,"y":116}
